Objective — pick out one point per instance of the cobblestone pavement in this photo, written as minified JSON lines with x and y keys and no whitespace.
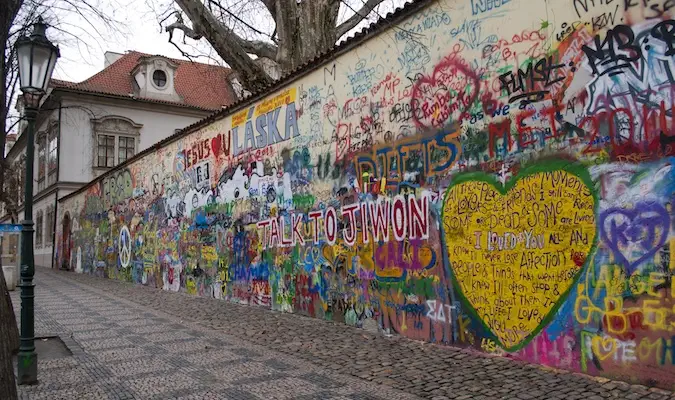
{"x":125,"y":351}
{"x":136,"y":342}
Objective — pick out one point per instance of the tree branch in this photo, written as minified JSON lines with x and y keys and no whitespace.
{"x":180,"y":25}
{"x":257,"y":47}
{"x":227,"y":44}
{"x":260,"y":48}
{"x":270,"y":5}
{"x":233,"y":15}
{"x":359,"y":15}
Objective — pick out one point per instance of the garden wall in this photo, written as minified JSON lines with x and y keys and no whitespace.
{"x":486,"y":173}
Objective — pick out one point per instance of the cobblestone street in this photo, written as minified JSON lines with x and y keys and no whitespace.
{"x":132,"y":342}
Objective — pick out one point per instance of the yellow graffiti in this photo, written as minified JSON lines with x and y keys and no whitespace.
{"x":191,"y":285}
{"x":489,"y":346}
{"x":281,"y":99}
{"x":172,"y":248}
{"x":603,"y":346}
{"x":465,"y":335}
{"x":613,"y":280}
{"x":209,"y":254}
{"x":239,"y":118}
{"x":515,"y":254}
{"x":650,"y":309}
{"x":149,"y":249}
{"x":353,"y":260}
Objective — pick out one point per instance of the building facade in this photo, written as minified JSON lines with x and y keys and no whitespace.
{"x":84,"y":129}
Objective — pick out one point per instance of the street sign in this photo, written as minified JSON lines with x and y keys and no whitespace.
{"x":10,"y":228}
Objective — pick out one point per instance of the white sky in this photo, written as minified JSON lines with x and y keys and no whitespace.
{"x":138,"y":30}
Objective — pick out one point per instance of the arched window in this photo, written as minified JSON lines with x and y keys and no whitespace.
{"x":50,"y":220}
{"x":20,"y":179}
{"x":116,"y":140}
{"x":42,"y":160}
{"x":38,"y":229}
{"x":52,"y":149}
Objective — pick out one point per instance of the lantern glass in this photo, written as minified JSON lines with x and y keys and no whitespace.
{"x":25,"y":57}
{"x":37,"y":59}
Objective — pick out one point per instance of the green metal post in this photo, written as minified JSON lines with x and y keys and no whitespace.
{"x":27,"y":358}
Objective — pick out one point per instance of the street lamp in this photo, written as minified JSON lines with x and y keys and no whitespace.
{"x":37,"y":57}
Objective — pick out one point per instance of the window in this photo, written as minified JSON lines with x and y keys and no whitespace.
{"x":42,"y":161}
{"x":20,"y":179}
{"x":116,"y":140}
{"x":49,"y":221}
{"x":5,"y":187}
{"x":159,"y":78}
{"x":38,"y":229}
{"x":52,"y":155}
{"x":106,"y":151}
{"x":126,"y":148}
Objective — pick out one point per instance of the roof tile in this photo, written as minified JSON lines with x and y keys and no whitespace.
{"x":200,"y":85}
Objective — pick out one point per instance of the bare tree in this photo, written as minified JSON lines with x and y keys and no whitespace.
{"x":9,"y":343}
{"x":16,"y":17}
{"x":9,"y":334}
{"x":286,"y":33}
{"x":9,"y":76}
{"x":92,"y":23}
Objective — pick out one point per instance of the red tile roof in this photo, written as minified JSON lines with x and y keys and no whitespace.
{"x":200,"y":85}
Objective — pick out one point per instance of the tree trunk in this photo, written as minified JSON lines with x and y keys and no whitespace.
{"x":316,"y":27}
{"x":9,"y":343}
{"x":226,"y":43}
{"x":13,"y":327}
{"x":305,"y":30}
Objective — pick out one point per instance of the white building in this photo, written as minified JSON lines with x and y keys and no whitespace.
{"x":83,"y":129}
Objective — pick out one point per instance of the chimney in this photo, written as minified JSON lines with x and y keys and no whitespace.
{"x":111,"y":57}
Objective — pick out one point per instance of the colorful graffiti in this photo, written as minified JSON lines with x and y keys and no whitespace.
{"x":516,"y":250}
{"x":473,"y":177}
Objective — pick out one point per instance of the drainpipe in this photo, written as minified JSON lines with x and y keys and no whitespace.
{"x":56,"y":196}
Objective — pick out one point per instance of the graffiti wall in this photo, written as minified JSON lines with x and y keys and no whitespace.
{"x":471,"y":176}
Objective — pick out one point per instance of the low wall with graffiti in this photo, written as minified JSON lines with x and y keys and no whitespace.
{"x":473,"y":175}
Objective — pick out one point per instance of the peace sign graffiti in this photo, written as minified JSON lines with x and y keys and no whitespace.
{"x":125,"y":247}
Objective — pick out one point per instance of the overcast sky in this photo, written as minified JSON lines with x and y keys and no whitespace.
{"x":138,"y":29}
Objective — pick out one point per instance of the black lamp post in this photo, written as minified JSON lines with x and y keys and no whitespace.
{"x":37,"y":58}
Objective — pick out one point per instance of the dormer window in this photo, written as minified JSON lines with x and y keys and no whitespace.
{"x":154,"y":77}
{"x":159,"y":78}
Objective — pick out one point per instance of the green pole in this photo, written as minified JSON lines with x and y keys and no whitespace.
{"x":27,"y":358}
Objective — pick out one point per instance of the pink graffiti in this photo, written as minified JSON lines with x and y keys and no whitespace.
{"x":433,"y":103}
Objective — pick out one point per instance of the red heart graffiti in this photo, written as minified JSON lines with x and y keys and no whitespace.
{"x":216,"y":143}
{"x":445,"y":96}
{"x":221,"y":144}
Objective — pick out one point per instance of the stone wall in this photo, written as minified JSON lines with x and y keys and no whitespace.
{"x":486,"y":173}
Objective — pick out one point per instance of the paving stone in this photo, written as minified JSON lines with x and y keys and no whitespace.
{"x":121,"y":351}
{"x":134,"y":342}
